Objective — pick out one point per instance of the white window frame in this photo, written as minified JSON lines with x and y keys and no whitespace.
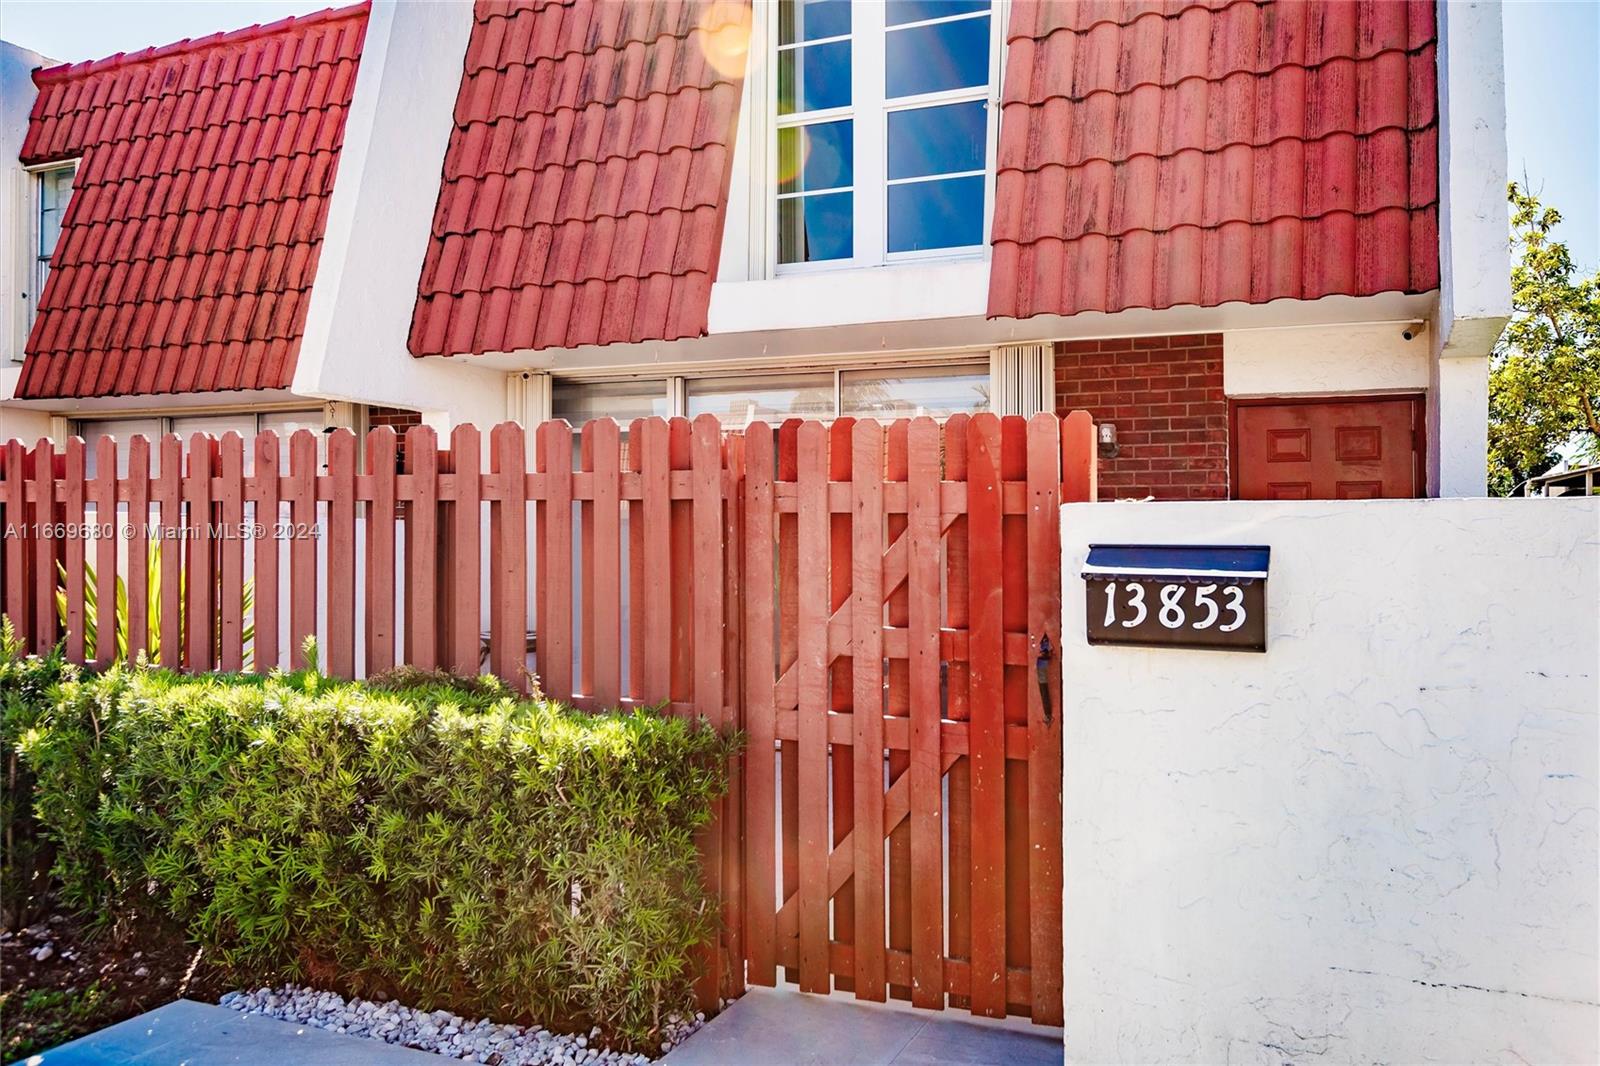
{"x":35,"y":270}
{"x":39,"y":266}
{"x":870,"y":135}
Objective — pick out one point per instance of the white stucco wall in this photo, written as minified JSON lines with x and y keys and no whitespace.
{"x":17,"y":94}
{"x":1375,"y":842}
{"x":378,"y":225}
{"x":1325,"y":360}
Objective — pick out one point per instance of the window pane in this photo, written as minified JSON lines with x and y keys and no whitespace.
{"x":49,"y":233}
{"x":818,"y":156}
{"x":937,"y":140}
{"x":936,"y":214}
{"x":814,"y":77}
{"x":624,"y":401}
{"x":55,"y":188}
{"x":936,"y":391}
{"x":123,"y":430}
{"x":902,"y":11}
{"x":738,"y":401}
{"x":945,"y":55}
{"x":217,"y":425}
{"x":286,"y":424}
{"x":810,"y":20}
{"x":814,"y":228}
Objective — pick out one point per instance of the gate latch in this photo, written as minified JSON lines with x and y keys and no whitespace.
{"x":1042,"y":665}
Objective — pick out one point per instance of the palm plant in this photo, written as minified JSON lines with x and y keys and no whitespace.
{"x":119,"y":610}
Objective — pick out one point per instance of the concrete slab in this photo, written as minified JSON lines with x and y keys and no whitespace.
{"x":781,"y":1027}
{"x":186,"y":1033}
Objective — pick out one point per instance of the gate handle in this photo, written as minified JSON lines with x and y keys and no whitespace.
{"x":1042,"y":665}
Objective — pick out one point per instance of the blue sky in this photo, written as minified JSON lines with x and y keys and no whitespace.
{"x":1552,"y":77}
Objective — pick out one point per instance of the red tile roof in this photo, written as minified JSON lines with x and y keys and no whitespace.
{"x":587,"y":176}
{"x":1163,"y":152}
{"x":189,"y":244}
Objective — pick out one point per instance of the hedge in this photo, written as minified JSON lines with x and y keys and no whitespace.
{"x":433,"y":839}
{"x":26,"y":683}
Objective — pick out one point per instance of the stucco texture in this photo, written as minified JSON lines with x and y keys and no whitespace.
{"x":1375,"y":842}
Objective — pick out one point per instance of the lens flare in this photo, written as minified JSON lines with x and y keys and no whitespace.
{"x":724,"y":37}
{"x":794,"y":148}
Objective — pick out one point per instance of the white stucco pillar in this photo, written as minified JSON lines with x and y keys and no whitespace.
{"x":1474,"y":253}
{"x":1459,"y":408}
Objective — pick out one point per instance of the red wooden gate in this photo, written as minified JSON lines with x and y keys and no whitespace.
{"x":868,"y":602}
{"x":903,"y":777}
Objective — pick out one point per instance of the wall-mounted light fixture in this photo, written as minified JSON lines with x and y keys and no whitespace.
{"x":1108,"y":440}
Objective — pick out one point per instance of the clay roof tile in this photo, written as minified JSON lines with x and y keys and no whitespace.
{"x":196,"y":159}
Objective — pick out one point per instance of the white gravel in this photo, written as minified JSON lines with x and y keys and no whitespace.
{"x":445,"y":1033}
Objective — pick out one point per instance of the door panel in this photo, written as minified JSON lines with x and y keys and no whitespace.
{"x":1327,"y":449}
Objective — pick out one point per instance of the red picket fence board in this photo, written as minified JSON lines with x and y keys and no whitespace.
{"x":103,"y":494}
{"x":73,"y":499}
{"x":986,"y":747}
{"x":380,"y":529}
{"x":841,"y":683}
{"x":927,"y":757}
{"x":866,"y":602}
{"x":167,"y":492}
{"x":300,"y":492}
{"x":341,"y":535}
{"x":422,"y":533}
{"x":508,"y":573}
{"x":44,"y":544}
{"x":788,"y":596}
{"x":959,"y":907}
{"x":732,"y":814}
{"x":1014,"y":600}
{"x":705,"y":618}
{"x":863,"y":554}
{"x":199,"y":591}
{"x":230,"y":510}
{"x":811,"y":681}
{"x":264,"y":491}
{"x":760,"y":770}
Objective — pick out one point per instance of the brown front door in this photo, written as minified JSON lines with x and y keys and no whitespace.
{"x":1327,"y":449}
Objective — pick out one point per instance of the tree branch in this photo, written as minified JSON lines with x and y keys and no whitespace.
{"x":1589,"y":415}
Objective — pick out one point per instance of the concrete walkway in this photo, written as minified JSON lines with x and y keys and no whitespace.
{"x":780,"y":1027}
{"x":186,"y":1033}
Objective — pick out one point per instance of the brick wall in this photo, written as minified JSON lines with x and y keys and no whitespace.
{"x":398,"y":420}
{"x":1165,"y":396}
{"x":393,"y":417}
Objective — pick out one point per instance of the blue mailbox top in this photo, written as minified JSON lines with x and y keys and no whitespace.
{"x":1239,"y":564}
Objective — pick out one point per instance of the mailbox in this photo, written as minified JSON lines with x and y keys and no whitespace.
{"x":1178,"y":595}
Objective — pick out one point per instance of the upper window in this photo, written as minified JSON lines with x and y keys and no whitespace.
{"x":53,"y":190}
{"x":885,"y":129}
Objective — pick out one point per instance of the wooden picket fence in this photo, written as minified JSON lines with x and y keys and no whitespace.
{"x":778,"y":581}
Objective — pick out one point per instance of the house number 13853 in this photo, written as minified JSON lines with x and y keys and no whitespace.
{"x":1171,"y":611}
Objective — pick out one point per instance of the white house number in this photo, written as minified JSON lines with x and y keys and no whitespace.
{"x":1171,"y":612}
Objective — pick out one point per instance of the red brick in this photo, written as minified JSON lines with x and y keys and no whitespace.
{"x":1165,"y":396}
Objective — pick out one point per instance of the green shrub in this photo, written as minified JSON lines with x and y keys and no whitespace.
{"x":26,"y":686}
{"x":436,"y":840}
